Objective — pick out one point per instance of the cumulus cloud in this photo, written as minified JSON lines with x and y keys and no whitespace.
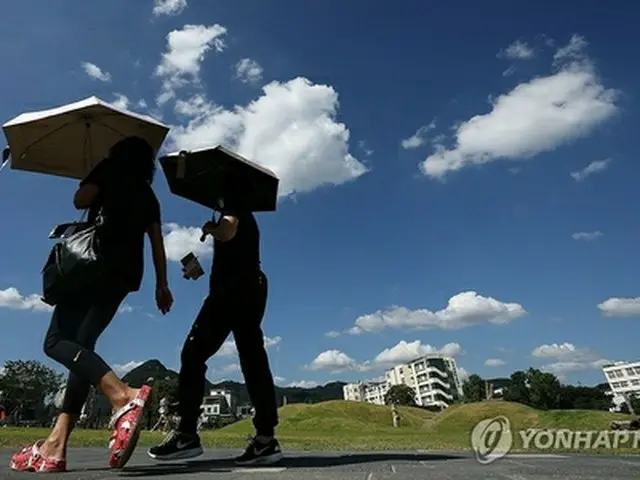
{"x":179,"y":240}
{"x":587,"y":236}
{"x":463,"y":374}
{"x":597,"y":166}
{"x":518,"y":50}
{"x":620,"y":307}
{"x":303,"y":384}
{"x":168,"y":7}
{"x":12,"y":299}
{"x":290,"y":129}
{"x":336,"y":361}
{"x":228,"y":369}
{"x":566,"y":358}
{"x":463,"y":310}
{"x":494,"y":362}
{"x":96,"y":72}
{"x":419,"y":138}
{"x":535,"y":117}
{"x":123,"y":368}
{"x":332,"y":334}
{"x":186,"y":49}
{"x":248,"y":71}
{"x":229,"y":347}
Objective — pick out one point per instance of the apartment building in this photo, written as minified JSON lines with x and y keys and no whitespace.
{"x":371,"y":392}
{"x":623,"y":378}
{"x":218,"y":402}
{"x":434,"y":378}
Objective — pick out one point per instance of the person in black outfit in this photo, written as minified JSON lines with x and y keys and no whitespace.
{"x":120,"y":185}
{"x":236,"y":304}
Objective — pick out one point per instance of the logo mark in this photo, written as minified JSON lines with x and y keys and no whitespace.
{"x":491,"y":439}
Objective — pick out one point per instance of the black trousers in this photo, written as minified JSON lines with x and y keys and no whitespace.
{"x":75,"y":326}
{"x":231,"y":307}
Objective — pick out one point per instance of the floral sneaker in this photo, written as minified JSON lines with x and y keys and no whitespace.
{"x":29,"y":459}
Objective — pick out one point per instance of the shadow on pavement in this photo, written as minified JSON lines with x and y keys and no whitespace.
{"x":304,"y":461}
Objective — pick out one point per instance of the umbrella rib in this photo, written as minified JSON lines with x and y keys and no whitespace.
{"x":46,"y":136}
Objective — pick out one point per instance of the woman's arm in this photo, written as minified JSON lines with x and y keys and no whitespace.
{"x":159,"y":256}
{"x":86,"y":196}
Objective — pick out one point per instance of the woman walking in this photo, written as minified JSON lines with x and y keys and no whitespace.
{"x":119,"y":187}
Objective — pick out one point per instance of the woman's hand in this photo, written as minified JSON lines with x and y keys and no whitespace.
{"x":208,"y":229}
{"x":164,"y":298}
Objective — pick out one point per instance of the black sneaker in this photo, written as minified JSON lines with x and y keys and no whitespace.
{"x":258,"y":453}
{"x":177,"y":446}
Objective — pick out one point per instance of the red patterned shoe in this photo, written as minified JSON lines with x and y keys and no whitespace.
{"x":125,"y":423}
{"x":29,"y":460}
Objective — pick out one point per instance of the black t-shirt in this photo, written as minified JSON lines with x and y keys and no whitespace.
{"x":129,"y":207}
{"x":239,"y":258}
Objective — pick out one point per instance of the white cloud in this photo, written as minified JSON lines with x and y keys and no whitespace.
{"x":303,"y":384}
{"x":229,"y":347}
{"x":332,"y":334}
{"x":168,"y":7}
{"x":125,"y":308}
{"x":336,"y":361}
{"x":587,"y":236}
{"x":96,"y":72}
{"x":290,"y":129}
{"x":517,"y":51}
{"x":248,"y":71}
{"x":597,"y":166}
{"x":494,"y":362}
{"x":573,"y":51}
{"x":227,"y":369}
{"x":178,"y":241}
{"x":11,"y":298}
{"x":535,"y":117}
{"x":463,"y":374}
{"x":122,"y":369}
{"x":121,"y":101}
{"x":568,"y":358}
{"x":419,"y":138}
{"x":620,"y":307}
{"x":404,"y":352}
{"x":186,"y":49}
{"x":463,"y":310}
{"x":278,"y":380}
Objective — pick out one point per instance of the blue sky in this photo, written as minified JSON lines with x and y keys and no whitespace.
{"x":424,"y":154}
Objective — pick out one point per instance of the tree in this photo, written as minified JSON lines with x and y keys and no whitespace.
{"x":400,"y":395}
{"x":26,"y":384}
{"x":517,"y":390}
{"x":473,"y":389}
{"x":544,"y":389}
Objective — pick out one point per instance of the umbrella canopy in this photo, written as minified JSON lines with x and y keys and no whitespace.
{"x":220,"y":179}
{"x":68,"y":141}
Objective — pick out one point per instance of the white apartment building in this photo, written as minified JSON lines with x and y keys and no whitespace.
{"x":371,"y":392}
{"x":623,"y":378}
{"x":434,"y":378}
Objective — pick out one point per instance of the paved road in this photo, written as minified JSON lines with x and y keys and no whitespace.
{"x":88,"y":464}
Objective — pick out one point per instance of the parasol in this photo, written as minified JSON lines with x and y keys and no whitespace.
{"x":69,"y":140}
{"x":220,"y":179}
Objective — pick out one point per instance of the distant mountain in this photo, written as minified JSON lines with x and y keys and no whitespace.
{"x":155,"y":369}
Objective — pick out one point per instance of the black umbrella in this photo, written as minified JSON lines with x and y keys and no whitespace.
{"x":220,"y":179}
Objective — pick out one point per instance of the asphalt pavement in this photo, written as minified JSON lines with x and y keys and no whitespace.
{"x":90,"y":463}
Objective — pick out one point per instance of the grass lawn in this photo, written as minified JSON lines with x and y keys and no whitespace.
{"x":339,"y":425}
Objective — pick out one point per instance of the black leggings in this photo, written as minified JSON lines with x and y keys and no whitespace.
{"x":75,"y":327}
{"x":229,"y":308}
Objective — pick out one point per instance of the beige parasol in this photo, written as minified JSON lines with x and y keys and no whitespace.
{"x":68,"y":141}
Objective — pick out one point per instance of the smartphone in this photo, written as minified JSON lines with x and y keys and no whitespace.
{"x":192,"y":268}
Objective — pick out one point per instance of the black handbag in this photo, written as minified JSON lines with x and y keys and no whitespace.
{"x":74,"y":263}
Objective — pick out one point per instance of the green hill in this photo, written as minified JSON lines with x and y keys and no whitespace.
{"x":341,"y":425}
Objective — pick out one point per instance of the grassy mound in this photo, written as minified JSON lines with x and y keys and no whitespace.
{"x":341,"y":425}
